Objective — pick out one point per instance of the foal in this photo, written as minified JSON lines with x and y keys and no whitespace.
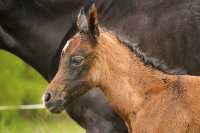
{"x":148,"y":100}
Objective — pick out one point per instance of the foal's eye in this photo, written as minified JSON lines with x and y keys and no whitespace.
{"x":77,"y":61}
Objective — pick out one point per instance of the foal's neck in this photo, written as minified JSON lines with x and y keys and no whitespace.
{"x":124,"y":78}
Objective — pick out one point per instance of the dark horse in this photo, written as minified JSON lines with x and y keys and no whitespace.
{"x":167,"y":31}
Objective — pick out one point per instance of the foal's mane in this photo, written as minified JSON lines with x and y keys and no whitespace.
{"x":151,"y":61}
{"x":148,"y":61}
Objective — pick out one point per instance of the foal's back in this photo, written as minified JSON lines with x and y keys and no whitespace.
{"x":174,"y":110}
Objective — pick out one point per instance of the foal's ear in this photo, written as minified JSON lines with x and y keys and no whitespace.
{"x":82,"y":21}
{"x":89,"y":23}
{"x":93,"y":21}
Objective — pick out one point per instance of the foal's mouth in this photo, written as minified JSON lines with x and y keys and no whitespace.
{"x":58,"y":101}
{"x":54,"y":101}
{"x":58,"y":104}
{"x":55,"y":106}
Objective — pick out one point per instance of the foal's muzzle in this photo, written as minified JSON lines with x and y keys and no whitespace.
{"x":53,"y":102}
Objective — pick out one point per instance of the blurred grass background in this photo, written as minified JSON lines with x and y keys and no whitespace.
{"x":20,"y":84}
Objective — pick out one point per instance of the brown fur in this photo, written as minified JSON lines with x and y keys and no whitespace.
{"x":148,"y":100}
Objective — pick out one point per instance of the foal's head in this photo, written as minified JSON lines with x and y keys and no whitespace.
{"x":75,"y":75}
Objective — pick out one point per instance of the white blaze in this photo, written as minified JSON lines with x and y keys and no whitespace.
{"x":66,"y":46}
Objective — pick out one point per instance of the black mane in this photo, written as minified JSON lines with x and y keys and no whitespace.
{"x":152,"y":61}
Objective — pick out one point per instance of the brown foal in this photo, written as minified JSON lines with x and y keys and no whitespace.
{"x":149,"y":101}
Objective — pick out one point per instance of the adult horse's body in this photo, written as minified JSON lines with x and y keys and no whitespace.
{"x":33,"y":30}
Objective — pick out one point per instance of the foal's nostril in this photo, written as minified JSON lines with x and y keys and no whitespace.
{"x":47,"y":96}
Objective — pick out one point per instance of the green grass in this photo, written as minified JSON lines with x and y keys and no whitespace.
{"x":20,"y":84}
{"x":53,"y":124}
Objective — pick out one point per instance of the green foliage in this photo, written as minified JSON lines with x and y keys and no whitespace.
{"x":18,"y":81}
{"x":20,"y":84}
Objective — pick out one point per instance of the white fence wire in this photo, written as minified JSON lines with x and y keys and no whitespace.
{"x":22,"y":107}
